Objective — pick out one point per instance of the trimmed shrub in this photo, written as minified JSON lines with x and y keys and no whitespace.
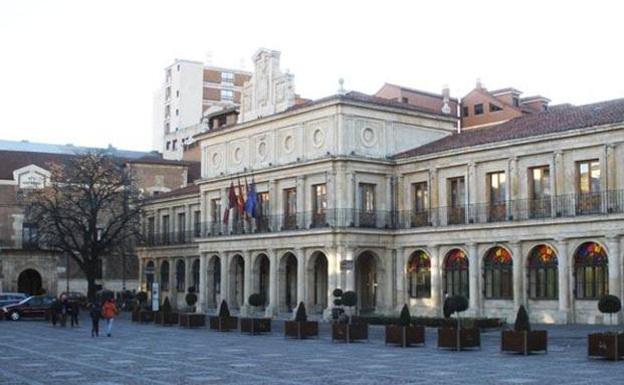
{"x":609,"y":304}
{"x":447,"y":308}
{"x":337,"y":302}
{"x":337,"y":292}
{"x":301,"y":315}
{"x":141,"y":297}
{"x":224,"y":311}
{"x":190,"y":298}
{"x":454,"y":304}
{"x":256,"y":300}
{"x":166,"y":306}
{"x":349,"y":298}
{"x":405,"y":319}
{"x":522,"y":320}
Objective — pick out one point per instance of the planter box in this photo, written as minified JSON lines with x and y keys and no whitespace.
{"x":467,"y":338}
{"x":301,"y":330}
{"x":192,"y":320}
{"x":223,"y":324}
{"x":405,"y":336}
{"x":524,"y":342}
{"x":349,"y":332}
{"x":167,"y":319}
{"x":255,"y":325}
{"x":146,"y":316}
{"x":607,"y":345}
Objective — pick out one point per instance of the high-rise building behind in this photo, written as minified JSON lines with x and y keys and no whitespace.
{"x":190,"y":90}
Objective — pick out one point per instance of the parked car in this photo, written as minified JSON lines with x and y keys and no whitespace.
{"x":74,"y":296}
{"x":31,"y":307}
{"x":11,"y":298}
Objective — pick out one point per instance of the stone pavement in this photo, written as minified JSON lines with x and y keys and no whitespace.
{"x":33,"y":352}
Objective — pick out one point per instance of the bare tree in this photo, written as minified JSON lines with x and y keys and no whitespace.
{"x":88,"y":210}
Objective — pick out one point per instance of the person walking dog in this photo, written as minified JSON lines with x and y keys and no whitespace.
{"x":109,"y":311}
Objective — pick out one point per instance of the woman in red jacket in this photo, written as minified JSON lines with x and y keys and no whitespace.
{"x":109,"y":311}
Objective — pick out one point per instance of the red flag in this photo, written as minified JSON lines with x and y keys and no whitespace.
{"x":240,"y":202}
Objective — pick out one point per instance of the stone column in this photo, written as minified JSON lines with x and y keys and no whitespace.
{"x":350,"y":205}
{"x":333,"y":278}
{"x":301,"y":262}
{"x":273,"y":298}
{"x":564,"y":281}
{"x":436,"y":279}
{"x":387,"y":221}
{"x":613,"y":244}
{"x":246,"y":281}
{"x":201,"y":290}
{"x":173,"y":283}
{"x":350,"y":271}
{"x":434,"y":200}
{"x":225,"y":278}
{"x":400,"y":287}
{"x":518,"y":292}
{"x":301,"y":209}
{"x":473,"y":277}
{"x":390,"y":277}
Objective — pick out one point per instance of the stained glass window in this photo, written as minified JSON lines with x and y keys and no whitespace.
{"x":591,"y":271}
{"x":498,"y":267}
{"x":419,"y":275}
{"x":456,"y":273}
{"x":543,"y":273}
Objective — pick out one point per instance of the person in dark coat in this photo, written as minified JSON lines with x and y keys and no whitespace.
{"x":95,"y":313}
{"x":65,"y":309}
{"x":75,"y":312}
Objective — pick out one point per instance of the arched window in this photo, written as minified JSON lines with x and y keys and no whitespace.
{"x":180,"y":276}
{"x":543,"y":273}
{"x":498,"y":268}
{"x":456,"y":273}
{"x":149,"y":275}
{"x":164,"y":276}
{"x":591,"y":271}
{"x":419,"y":275}
{"x":195,"y":274}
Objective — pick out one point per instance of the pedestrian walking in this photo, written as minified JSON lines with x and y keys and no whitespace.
{"x":64,"y":310}
{"x":54,"y":311}
{"x":75,"y":312}
{"x":109,"y":311}
{"x":95,"y":313}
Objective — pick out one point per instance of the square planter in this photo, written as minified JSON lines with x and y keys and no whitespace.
{"x":192,"y":320}
{"x":255,"y":325}
{"x":146,"y":316}
{"x":349,"y":332}
{"x":405,"y":336}
{"x":524,"y":342}
{"x":607,"y":345}
{"x":167,"y":319}
{"x":465,"y":338}
{"x":300,"y":330}
{"x":223,"y":324}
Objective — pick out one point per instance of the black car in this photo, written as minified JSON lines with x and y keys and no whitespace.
{"x":32,"y":307}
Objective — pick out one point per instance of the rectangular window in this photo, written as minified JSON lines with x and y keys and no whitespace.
{"x":227,"y":77}
{"x":215,"y":210}
{"x":168,"y":93}
{"x":367,"y":205}
{"x":151,"y":228}
{"x":497,"y":185}
{"x":227,"y":95}
{"x":588,"y":187}
{"x":262,"y":221}
{"x":319,"y":204}
{"x":456,"y":201}
{"x":478,"y":109}
{"x":539,"y":192}
{"x":181,"y":227}
{"x":290,"y":208}
{"x":494,"y":108}
{"x":197,"y":223}
{"x":165,"y":229}
{"x":420,"y":214}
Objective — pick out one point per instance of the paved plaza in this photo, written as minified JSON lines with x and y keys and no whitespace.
{"x":33,"y":352}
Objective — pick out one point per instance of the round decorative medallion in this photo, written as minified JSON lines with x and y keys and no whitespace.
{"x":216,"y":159}
{"x":318,"y":138}
{"x":289,"y":143}
{"x":262,"y":150}
{"x":368,"y":136}
{"x":238,"y":155}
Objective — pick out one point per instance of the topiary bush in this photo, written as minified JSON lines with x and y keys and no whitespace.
{"x":224,"y":311}
{"x":301,"y":315}
{"x":166,"y":306}
{"x":256,"y":300}
{"x":405,"y":319}
{"x":349,"y":298}
{"x":454,"y":304}
{"x":337,"y":292}
{"x":522,"y":320}
{"x":609,"y":304}
{"x":337,"y":302}
{"x":191,"y":298}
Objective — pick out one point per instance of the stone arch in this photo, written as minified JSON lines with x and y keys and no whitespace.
{"x":287,"y":282}
{"x":497,"y":273}
{"x":317,"y":281}
{"x":418,"y":274}
{"x":368,"y":277}
{"x":29,"y":282}
{"x":261,"y":276}
{"x":237,"y":281}
{"x":455,"y":276}
{"x":213,"y":281}
{"x":590,"y":270}
{"x":542,"y":272}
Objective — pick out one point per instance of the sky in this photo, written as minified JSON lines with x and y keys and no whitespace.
{"x":84,"y":72}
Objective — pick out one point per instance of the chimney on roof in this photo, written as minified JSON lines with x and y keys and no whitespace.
{"x":446,"y":95}
{"x":479,"y":85}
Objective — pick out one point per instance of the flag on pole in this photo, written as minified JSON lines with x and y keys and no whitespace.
{"x":252,"y":200}
{"x":230,"y":204}
{"x":240,"y":201}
